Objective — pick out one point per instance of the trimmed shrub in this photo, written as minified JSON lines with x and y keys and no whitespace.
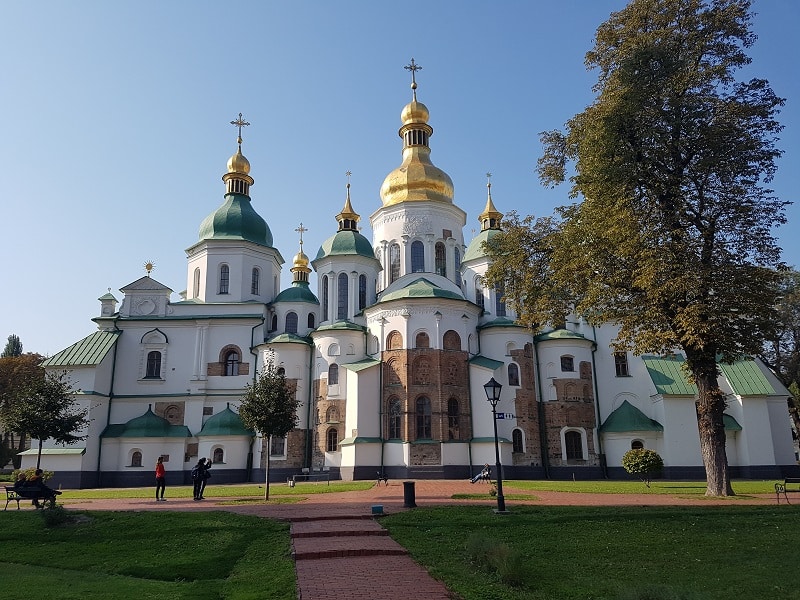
{"x":643,"y":463}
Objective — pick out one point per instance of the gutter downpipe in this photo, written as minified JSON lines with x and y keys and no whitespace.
{"x":381,"y":412}
{"x":603,"y":465}
{"x":540,"y":411}
{"x":309,"y":434}
{"x":249,"y":465}
{"x":110,"y":398}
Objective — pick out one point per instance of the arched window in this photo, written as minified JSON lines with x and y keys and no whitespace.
{"x":440,"y":259}
{"x":516,"y":441}
{"x":291,"y":322}
{"x":573,"y":445}
{"x":218,"y":456}
{"x":333,"y":374}
{"x":153,"y":365}
{"x":274,"y":325}
{"x":513,"y":374}
{"x":479,"y":300}
{"x":423,"y":341}
{"x":457,"y":274}
{"x":394,"y":341}
{"x":637,"y":445}
{"x":341,"y":312}
{"x":392,"y":376}
{"x":255,"y":279}
{"x":196,"y":284}
{"x":332,"y":415}
{"x":224,"y":279}
{"x":332,"y":440}
{"x":499,"y":303}
{"x":232,"y":363}
{"x":324,"y":297}
{"x":136,"y":459}
{"x":395,"y":421}
{"x":423,"y":418}
{"x":333,"y":350}
{"x":451,"y":340}
{"x":394,"y":262}
{"x":362,"y":292}
{"x":452,"y":419}
{"x":417,"y":257}
{"x":311,"y":321}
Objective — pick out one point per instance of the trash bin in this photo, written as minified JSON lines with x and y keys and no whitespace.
{"x":408,"y":495}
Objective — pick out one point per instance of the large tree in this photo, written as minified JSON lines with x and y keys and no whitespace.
{"x":46,"y":409}
{"x":269,"y":406}
{"x":13,"y":347}
{"x":672,"y":238}
{"x":17,"y":373}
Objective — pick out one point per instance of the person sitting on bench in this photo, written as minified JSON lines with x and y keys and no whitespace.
{"x":35,"y":486}
{"x":485,"y":474}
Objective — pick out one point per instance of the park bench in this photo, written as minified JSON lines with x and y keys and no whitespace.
{"x":13,"y":495}
{"x":783,"y":488}
{"x":308,"y":475}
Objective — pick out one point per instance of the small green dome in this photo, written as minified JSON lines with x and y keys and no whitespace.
{"x":475,"y":248}
{"x":226,"y":422}
{"x":420,"y":288}
{"x":236,"y":219}
{"x":299,"y":292}
{"x":346,"y":243}
{"x":151,"y":425}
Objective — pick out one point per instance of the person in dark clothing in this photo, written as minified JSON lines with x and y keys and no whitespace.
{"x":206,"y":476}
{"x":199,"y":478}
{"x":35,"y":485}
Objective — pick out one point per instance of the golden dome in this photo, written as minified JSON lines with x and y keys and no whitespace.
{"x":414,"y":112}
{"x":300,"y":259}
{"x":238,"y":163}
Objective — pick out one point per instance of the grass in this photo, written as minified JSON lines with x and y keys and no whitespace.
{"x":682,"y":488}
{"x":606,"y":553}
{"x":144,"y":555}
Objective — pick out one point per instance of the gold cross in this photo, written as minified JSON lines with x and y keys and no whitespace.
{"x":413,"y":67}
{"x":240,"y":122}
{"x":301,"y":230}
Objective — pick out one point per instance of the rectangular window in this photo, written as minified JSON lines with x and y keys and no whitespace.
{"x":567,"y":364}
{"x":277,"y":446}
{"x":621,"y":364}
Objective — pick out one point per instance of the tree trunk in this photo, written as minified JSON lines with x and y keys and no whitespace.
{"x":710,"y":406}
{"x":39,"y":456}
{"x":266,"y":481}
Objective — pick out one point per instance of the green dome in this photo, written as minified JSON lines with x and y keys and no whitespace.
{"x":151,"y":425}
{"x":299,"y":292}
{"x":346,"y":243}
{"x":420,"y":288}
{"x":226,"y":422}
{"x":236,"y":219}
{"x":560,"y":334}
{"x":475,"y":248}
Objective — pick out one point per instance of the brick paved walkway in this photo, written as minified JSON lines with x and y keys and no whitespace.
{"x":340,"y":551}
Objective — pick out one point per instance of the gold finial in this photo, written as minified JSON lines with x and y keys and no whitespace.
{"x":301,"y":230}
{"x":239,"y":123}
{"x":148,"y":266}
{"x":413,"y":67}
{"x":490,"y":217}
{"x":489,"y":180}
{"x":348,"y":173}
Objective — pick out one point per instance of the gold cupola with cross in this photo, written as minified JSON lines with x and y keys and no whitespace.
{"x":417,"y":179}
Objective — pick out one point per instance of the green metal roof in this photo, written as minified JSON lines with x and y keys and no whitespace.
{"x":560,"y":334}
{"x":359,"y":440}
{"x":360,"y":365}
{"x":289,"y":338}
{"x":730,"y":423}
{"x":148,"y":425}
{"x":746,"y":379}
{"x":500,"y":322}
{"x":299,"y":292}
{"x":487,"y":363}
{"x":226,"y":422}
{"x":626,"y":418}
{"x":667,"y":375}
{"x":236,"y":219}
{"x":421,"y":288}
{"x":91,"y":350}
{"x":341,"y":326}
{"x":52,"y":451}
{"x":346,"y":243}
{"x":475,"y":248}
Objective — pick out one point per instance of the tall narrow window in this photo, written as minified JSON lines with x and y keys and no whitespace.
{"x":291,"y":322}
{"x":440,"y":259}
{"x":136,"y":459}
{"x":362,"y":292}
{"x":394,"y":262}
{"x":254,"y":281}
{"x":423,"y":418}
{"x":479,"y":293}
{"x":394,"y":419}
{"x":153,"y":365}
{"x":567,"y":364}
{"x":219,"y":455}
{"x":277,"y":446}
{"x":333,"y":374}
{"x":332,"y":438}
{"x":232,"y":363}
{"x":452,"y":419}
{"x":621,"y":364}
{"x":311,"y":321}
{"x":324,"y":297}
{"x":417,"y":257}
{"x":516,"y":441}
{"x":224,"y":279}
{"x":274,"y":323}
{"x":457,"y":274}
{"x":513,"y":374}
{"x":573,"y":445}
{"x":341,"y":312}
{"x":499,"y":303}
{"x":196,"y":284}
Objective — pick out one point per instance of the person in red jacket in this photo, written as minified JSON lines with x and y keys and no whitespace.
{"x":161,"y":479}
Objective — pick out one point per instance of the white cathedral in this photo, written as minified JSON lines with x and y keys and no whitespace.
{"x":387,"y":359}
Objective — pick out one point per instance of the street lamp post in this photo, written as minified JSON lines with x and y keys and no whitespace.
{"x":492,"y":389}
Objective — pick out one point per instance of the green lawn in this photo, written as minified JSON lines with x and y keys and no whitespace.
{"x":143,"y":555}
{"x":683,"y":488}
{"x":598,"y":553}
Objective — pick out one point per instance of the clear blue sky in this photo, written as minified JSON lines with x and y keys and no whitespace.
{"x":114,"y":128}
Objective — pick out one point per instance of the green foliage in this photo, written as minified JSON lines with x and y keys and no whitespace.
{"x":29,"y":472}
{"x":268,"y":406}
{"x":55,"y":515}
{"x":46,"y":409}
{"x":496,"y":557}
{"x":13,"y":347}
{"x":17,"y":374}
{"x":643,"y":463}
{"x":653,"y":592}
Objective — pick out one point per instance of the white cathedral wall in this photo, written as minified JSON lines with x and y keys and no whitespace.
{"x":681,"y":436}
{"x":781,"y":430}
{"x":616,"y":444}
{"x":454,"y":453}
{"x":117,"y":453}
{"x":362,"y":412}
{"x":234,"y":448}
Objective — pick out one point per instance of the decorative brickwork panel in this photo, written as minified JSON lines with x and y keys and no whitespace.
{"x":559,"y":415}
{"x":425,"y":454}
{"x":573,"y":390}
{"x":171,"y":411}
{"x":215,"y":369}
{"x":526,"y":408}
{"x":585,"y":369}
